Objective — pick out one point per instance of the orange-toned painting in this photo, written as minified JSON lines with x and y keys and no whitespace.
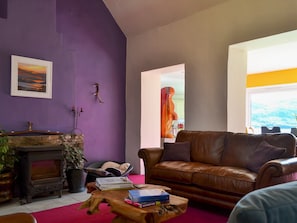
{"x":31,"y":77}
{"x":167,"y":112}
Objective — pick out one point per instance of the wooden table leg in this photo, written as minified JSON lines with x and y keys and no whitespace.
{"x":120,"y":219}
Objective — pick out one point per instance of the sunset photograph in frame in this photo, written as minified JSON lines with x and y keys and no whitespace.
{"x":31,"y":77}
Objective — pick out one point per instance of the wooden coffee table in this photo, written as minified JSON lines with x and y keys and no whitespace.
{"x":126,"y":213}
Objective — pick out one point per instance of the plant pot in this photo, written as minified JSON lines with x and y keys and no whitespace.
{"x":6,"y":182}
{"x":76,"y":180}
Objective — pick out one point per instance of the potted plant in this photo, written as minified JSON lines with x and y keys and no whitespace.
{"x":74,"y":161}
{"x":7,"y":161}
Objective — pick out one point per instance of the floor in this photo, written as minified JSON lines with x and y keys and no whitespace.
{"x":43,"y":203}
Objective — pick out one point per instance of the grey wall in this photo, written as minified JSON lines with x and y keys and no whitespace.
{"x":201,"y":42}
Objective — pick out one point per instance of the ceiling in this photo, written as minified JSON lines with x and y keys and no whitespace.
{"x":137,"y":16}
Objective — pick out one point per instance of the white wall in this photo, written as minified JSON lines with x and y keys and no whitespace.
{"x":150,"y":109}
{"x":236,"y":102}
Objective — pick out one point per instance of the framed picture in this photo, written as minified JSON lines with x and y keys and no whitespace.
{"x":31,"y":77}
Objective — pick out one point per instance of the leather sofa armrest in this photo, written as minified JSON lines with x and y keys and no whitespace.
{"x":276,"y":172}
{"x":150,"y":156}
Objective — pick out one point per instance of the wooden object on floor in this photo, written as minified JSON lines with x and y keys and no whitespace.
{"x":18,"y":218}
{"x":126,"y":213}
{"x":6,"y":181}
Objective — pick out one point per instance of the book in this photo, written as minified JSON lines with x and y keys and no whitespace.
{"x":113,"y":180}
{"x":147,"y":195}
{"x":144,"y":204}
{"x":116,"y":186}
{"x":111,"y":183}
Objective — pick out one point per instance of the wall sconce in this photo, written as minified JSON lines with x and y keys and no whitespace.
{"x":76,"y":112}
{"x":96,"y":93}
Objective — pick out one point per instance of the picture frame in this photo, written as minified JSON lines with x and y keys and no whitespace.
{"x":31,"y":77}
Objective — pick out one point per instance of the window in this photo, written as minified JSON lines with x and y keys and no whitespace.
{"x":272,"y":106}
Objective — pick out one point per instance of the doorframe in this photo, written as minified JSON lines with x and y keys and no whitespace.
{"x":150,"y":130}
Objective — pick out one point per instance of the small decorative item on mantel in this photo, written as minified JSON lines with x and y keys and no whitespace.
{"x":74,"y":160}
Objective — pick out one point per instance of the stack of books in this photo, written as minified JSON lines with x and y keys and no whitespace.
{"x":114,"y":183}
{"x":147,"y":197}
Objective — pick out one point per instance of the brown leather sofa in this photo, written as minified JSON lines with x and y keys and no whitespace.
{"x":220,"y":167}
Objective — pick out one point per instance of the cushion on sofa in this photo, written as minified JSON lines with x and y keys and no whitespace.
{"x":179,"y":151}
{"x":206,"y":146}
{"x":264,"y":153}
{"x":226,"y":179}
{"x":238,"y":149}
{"x":175,"y":171}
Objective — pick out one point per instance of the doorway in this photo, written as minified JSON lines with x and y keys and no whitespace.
{"x":151,"y":83}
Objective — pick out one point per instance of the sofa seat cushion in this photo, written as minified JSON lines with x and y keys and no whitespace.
{"x":226,"y":179}
{"x":176,"y":171}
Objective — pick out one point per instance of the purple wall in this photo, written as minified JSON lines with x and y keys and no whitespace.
{"x":86,"y":46}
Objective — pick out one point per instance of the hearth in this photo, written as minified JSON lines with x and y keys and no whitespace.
{"x":40,"y":171}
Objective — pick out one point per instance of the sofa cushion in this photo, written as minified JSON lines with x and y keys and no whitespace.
{"x":226,"y":179}
{"x":179,"y":151}
{"x":176,"y":171}
{"x":206,"y":146}
{"x":264,"y":153}
{"x":241,"y":146}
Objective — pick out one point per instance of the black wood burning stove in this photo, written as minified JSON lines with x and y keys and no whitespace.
{"x":40,"y":171}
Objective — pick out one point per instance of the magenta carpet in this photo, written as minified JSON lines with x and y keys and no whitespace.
{"x":72,"y":214}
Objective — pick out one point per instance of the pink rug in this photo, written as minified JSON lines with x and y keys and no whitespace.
{"x":72,"y":214}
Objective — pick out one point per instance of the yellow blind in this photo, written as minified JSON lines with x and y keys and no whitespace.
{"x":272,"y":78}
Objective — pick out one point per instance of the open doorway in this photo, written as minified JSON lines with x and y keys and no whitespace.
{"x":151,"y":83}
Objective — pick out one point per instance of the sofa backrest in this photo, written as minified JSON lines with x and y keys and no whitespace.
{"x":232,"y":149}
{"x":241,"y":146}
{"x":206,"y":146}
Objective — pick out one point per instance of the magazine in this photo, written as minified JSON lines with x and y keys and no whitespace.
{"x":111,"y":183}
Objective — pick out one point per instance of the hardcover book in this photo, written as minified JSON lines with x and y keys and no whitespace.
{"x":147,"y":195}
{"x":145,"y":204}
